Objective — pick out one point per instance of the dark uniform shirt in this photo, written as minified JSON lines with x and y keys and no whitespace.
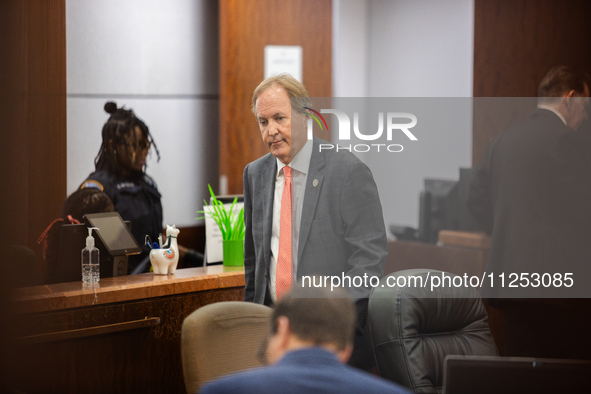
{"x":136,"y":199}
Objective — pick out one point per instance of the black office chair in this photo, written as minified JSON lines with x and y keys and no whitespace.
{"x":413,"y":328}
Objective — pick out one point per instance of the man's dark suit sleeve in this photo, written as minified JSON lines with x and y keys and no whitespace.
{"x":365,"y":233}
{"x":479,"y":200}
{"x":249,"y":254}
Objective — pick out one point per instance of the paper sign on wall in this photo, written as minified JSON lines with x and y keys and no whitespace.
{"x":284,"y":59}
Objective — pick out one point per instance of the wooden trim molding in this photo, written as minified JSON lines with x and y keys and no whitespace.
{"x":90,"y":331}
{"x":246,"y":27}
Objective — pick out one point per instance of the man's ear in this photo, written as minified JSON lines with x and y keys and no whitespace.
{"x":278,"y":343}
{"x":283,"y":331}
{"x":566,"y":100}
{"x":345,"y":354}
{"x":572,"y":93}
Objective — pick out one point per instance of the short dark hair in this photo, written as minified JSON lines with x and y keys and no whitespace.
{"x":322,"y":319}
{"x":561,"y":80}
{"x":86,"y":200}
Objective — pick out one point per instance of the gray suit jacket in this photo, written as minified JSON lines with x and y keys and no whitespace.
{"x":342,"y":228}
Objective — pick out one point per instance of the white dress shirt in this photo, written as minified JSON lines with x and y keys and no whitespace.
{"x":300,"y":165}
{"x":549,"y":108}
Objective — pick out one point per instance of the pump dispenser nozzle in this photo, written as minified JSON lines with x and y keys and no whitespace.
{"x":90,"y":239}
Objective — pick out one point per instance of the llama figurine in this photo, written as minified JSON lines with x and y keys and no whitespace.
{"x":165,"y":259}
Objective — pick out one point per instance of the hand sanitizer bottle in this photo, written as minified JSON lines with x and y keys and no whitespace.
{"x":90,"y":260}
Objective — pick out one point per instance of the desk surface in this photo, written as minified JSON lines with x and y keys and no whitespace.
{"x":111,"y":339}
{"x":61,"y":296}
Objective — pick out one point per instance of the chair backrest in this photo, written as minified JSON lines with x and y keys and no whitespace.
{"x":413,"y":327}
{"x":222,"y":338}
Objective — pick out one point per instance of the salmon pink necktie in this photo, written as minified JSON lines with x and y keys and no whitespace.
{"x":283,"y":274}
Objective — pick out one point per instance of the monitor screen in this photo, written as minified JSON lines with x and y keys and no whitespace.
{"x":228,"y":199}
{"x":490,"y":374}
{"x":114,"y":234}
{"x":439,"y":208}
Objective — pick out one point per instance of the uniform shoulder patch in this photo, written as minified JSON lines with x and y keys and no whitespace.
{"x":91,"y":183}
{"x":126,"y":185}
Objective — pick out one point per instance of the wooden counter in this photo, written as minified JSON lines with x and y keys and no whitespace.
{"x":61,"y":296}
{"x":403,"y":255}
{"x":121,"y":337}
{"x":124,"y":336}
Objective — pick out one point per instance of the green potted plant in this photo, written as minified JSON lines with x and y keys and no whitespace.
{"x":231,"y":226}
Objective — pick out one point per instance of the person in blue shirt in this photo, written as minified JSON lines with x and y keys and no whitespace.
{"x":311,"y":339}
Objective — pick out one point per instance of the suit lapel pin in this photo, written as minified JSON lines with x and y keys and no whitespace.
{"x":315,"y":183}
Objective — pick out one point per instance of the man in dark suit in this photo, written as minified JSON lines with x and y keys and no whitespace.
{"x":307,"y":212}
{"x":532,"y":192}
{"x":309,"y":343}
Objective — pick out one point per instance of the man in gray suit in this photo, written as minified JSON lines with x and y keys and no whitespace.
{"x":336,"y":225}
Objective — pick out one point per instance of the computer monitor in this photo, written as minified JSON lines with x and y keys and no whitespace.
{"x":113,"y":239}
{"x":228,"y":199}
{"x":116,"y":237}
{"x":508,"y":375}
{"x":438,"y":208}
{"x":442,"y":206}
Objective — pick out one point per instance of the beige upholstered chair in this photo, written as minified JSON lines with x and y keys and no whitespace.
{"x":222,"y":338}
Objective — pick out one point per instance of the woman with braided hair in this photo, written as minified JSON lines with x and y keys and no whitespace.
{"x":120,"y":172}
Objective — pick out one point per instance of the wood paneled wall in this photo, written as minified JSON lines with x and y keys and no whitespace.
{"x":33,"y":106}
{"x":246,"y":27}
{"x":32,"y":141}
{"x":516,"y":42}
{"x":141,"y":360}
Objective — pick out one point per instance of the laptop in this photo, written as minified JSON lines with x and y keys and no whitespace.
{"x":509,"y":375}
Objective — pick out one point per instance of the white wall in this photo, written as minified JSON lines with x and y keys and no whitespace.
{"x":408,"y":48}
{"x":159,"y":58}
{"x":350,"y":47}
{"x":421,"y":48}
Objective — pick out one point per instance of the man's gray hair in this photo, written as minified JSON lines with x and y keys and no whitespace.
{"x":296,"y":91}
